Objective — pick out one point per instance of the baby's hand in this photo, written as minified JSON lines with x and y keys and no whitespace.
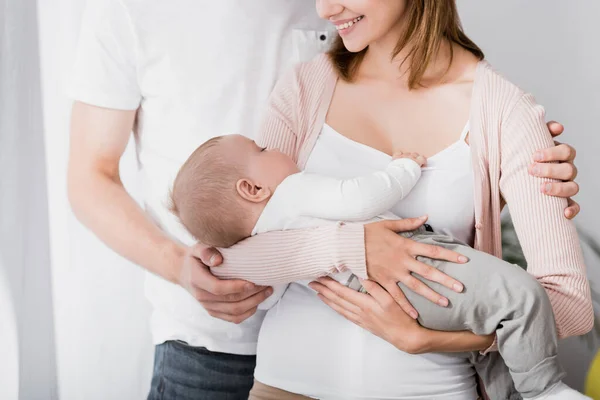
{"x":416,"y":157}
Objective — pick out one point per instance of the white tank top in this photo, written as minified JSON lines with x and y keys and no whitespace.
{"x":305,"y":347}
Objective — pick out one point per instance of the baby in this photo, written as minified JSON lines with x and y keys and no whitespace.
{"x":230,"y":189}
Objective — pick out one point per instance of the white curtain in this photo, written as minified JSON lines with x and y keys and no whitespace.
{"x":73,"y":320}
{"x":28,"y":367}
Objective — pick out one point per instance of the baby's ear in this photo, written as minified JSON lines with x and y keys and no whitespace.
{"x":252,"y":191}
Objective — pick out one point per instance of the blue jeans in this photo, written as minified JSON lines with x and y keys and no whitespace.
{"x":183,"y":372}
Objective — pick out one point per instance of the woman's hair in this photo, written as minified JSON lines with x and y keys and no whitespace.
{"x":429,"y":23}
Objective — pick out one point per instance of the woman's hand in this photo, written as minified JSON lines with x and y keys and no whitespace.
{"x":392,"y":258}
{"x":379,"y":313}
{"x":545,"y":166}
{"x":376,"y":312}
{"x":232,"y":300}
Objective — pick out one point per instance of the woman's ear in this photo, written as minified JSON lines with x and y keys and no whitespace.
{"x":251,"y":191}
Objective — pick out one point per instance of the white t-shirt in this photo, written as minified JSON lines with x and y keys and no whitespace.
{"x":305,"y":200}
{"x":194,"y":69}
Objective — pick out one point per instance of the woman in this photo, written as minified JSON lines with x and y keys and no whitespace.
{"x":343,"y":116}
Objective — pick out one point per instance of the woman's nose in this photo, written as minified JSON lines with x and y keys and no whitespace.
{"x":329,"y":8}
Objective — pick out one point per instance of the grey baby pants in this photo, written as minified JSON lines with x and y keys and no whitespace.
{"x":498,"y":297}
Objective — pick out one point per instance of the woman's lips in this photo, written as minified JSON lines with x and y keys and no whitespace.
{"x":345,"y":26}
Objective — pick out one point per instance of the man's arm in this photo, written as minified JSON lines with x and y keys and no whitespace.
{"x":99,"y":137}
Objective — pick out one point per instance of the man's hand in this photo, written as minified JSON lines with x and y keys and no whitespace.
{"x":232,"y":300}
{"x":557,"y":163}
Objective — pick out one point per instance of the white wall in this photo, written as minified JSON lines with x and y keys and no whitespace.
{"x":103,"y":344}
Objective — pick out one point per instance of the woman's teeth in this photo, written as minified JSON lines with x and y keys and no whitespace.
{"x":348,"y":24}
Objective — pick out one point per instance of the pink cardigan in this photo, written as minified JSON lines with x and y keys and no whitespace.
{"x":506,"y":128}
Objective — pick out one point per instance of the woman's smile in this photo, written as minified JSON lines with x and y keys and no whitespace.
{"x":344,"y":27}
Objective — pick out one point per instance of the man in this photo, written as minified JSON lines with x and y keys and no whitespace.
{"x":178,"y":73}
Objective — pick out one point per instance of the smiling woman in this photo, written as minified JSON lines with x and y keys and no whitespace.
{"x":424,"y":25}
{"x":434,"y":85}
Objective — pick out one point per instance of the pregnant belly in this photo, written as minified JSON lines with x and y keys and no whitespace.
{"x":305,"y":347}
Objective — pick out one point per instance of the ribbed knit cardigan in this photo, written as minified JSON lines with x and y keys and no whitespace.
{"x":506,"y":128}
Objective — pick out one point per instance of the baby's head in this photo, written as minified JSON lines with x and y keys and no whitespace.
{"x":222,"y":188}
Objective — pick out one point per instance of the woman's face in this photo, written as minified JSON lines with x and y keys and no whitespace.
{"x":361,"y":23}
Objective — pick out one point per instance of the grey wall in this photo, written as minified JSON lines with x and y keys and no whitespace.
{"x":552,"y":49}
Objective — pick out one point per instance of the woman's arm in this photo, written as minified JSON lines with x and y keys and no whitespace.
{"x":550,"y":242}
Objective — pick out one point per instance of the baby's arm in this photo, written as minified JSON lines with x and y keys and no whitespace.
{"x":355,"y":199}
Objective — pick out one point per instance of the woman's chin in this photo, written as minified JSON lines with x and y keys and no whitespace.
{"x":354,"y":47}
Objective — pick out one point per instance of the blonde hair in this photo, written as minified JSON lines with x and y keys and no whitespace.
{"x":429,"y":23}
{"x":204,"y":196}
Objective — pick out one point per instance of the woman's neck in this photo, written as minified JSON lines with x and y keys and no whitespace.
{"x":378,"y":62}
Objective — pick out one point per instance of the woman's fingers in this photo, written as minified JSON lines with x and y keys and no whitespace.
{"x":435,"y":275}
{"x":572,"y":209}
{"x":436,"y":253}
{"x":422,"y":289}
{"x":350,"y":316}
{"x":404,"y":225}
{"x":380,"y":295}
{"x":343,"y":296}
{"x":560,"y":189}
{"x":562,"y":172}
{"x":399,"y":297}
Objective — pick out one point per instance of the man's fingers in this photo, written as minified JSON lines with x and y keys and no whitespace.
{"x":436,"y":253}
{"x":208,"y":255}
{"x":563,"y":171}
{"x":240,"y":307}
{"x":404,"y":225}
{"x":572,"y":209}
{"x":204,"y":280}
{"x":236,"y":319}
{"x":204,"y":296}
{"x":560,"y":189}
{"x":555,"y":128}
{"x":399,"y":297}
{"x":562,"y":152}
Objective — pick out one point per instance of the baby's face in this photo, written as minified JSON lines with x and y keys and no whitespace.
{"x":265,"y":167}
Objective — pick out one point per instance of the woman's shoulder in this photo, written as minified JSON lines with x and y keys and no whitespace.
{"x":494,"y":92}
{"x":309,"y":74}
{"x":502,"y":104}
